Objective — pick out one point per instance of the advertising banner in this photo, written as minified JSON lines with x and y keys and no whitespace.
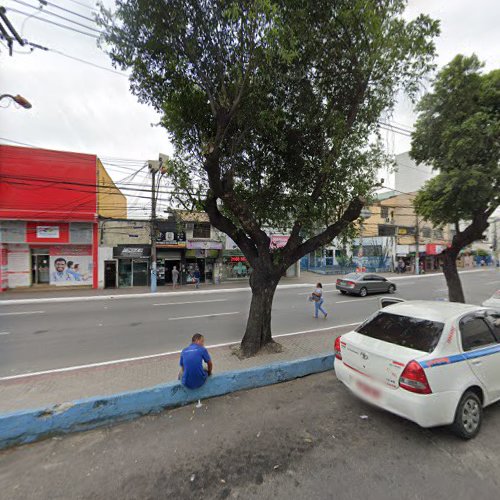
{"x":71,"y":265}
{"x":278,"y":241}
{"x":47,"y":232}
{"x":204,"y":245}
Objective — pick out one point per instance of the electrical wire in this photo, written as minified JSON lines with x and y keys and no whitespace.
{"x":65,"y":10}
{"x":83,"y":5}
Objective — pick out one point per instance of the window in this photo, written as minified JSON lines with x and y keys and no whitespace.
{"x":426,"y":232}
{"x":475,"y":333}
{"x":386,"y":230}
{"x":201,"y":230}
{"x":384,"y":212}
{"x":414,"y":333}
{"x":438,"y":234}
{"x":493,"y":319}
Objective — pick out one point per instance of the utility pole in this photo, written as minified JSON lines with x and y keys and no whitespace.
{"x":154,"y":167}
{"x":417,"y":249}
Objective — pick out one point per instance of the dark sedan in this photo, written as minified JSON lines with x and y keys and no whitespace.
{"x":364,"y":283}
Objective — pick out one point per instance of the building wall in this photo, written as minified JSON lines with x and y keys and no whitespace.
{"x":41,"y":184}
{"x":111,"y":203}
{"x":128,"y":232}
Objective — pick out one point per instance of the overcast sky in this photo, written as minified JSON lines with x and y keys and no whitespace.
{"x":77,"y":107}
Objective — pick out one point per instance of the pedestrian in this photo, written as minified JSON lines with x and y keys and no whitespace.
{"x":193,"y":374}
{"x":317,"y":298}
{"x":197,"y":277}
{"x":175,"y":277}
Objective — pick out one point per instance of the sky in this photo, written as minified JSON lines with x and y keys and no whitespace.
{"x":79,"y":107}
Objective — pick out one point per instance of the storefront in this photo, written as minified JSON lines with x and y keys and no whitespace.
{"x":204,"y":256}
{"x":235,"y":265}
{"x":170,"y":250}
{"x":133,"y":265}
{"x":48,"y":254}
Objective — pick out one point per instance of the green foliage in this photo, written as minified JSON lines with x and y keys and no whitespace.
{"x":458,"y":132}
{"x":272,"y":105}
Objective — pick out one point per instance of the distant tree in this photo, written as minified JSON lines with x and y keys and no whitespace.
{"x":458,"y":133}
{"x":271,"y":105}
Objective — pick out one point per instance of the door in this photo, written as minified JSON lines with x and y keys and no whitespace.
{"x":482,"y":351}
{"x":369,"y":283}
{"x":110,"y":274}
{"x":140,"y":273}
{"x":379,"y":283}
{"x":40,"y":269}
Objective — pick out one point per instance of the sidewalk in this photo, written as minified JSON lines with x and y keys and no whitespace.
{"x":56,"y":387}
{"x":307,"y":278}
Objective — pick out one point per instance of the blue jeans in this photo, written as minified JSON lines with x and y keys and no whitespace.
{"x":317,"y":308}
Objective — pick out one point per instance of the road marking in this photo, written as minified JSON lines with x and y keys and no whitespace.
{"x":20,"y":313}
{"x":203,"y":316}
{"x":492,"y":282}
{"x":4,"y":333}
{"x":191,"y":302}
{"x":354,"y":300}
{"x":159,"y":355}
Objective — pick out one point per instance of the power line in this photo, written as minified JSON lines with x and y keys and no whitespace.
{"x":55,"y":24}
{"x":83,"y":5}
{"x":50,"y":13}
{"x":66,"y":10}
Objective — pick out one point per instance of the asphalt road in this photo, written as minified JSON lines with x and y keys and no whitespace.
{"x":306,"y":439}
{"x":48,"y":336}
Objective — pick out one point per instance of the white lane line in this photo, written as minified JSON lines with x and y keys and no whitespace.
{"x":4,"y":333}
{"x":203,"y":316}
{"x":492,"y":282}
{"x":20,"y":313}
{"x":354,"y":300}
{"x":191,"y":302}
{"x":159,"y":355}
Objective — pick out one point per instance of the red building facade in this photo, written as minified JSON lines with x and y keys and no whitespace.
{"x":48,"y":218}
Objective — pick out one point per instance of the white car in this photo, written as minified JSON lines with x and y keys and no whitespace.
{"x":434,"y":363}
{"x":493,"y":301}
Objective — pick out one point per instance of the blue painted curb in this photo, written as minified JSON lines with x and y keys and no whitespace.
{"x":31,"y":425}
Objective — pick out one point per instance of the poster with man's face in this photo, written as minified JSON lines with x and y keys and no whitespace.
{"x":70,"y":266}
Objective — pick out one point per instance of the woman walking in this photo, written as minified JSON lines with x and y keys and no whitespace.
{"x":317,"y":298}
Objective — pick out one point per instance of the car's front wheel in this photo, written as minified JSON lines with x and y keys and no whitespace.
{"x":391,"y":289}
{"x":363,"y":292}
{"x":469,"y":416}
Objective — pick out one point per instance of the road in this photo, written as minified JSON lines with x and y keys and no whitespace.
{"x":306,"y":439}
{"x":49,"y":336}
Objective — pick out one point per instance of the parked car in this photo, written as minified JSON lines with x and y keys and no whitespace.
{"x":364,"y":283}
{"x":493,"y":301}
{"x":434,"y":363}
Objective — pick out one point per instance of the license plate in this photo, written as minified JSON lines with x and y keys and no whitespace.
{"x":343,"y":283}
{"x":368,"y":389}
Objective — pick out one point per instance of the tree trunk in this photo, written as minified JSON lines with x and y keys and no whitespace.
{"x":258,"y":330}
{"x":455,"y":290}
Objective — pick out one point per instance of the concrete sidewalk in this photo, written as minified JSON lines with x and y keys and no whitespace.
{"x":307,"y":278}
{"x":60,"y":386}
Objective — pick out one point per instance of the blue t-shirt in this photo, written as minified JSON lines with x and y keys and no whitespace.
{"x":192,"y":358}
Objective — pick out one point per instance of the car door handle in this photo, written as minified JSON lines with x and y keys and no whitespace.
{"x":476,"y":363}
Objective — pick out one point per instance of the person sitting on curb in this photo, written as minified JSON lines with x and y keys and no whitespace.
{"x":193,"y":374}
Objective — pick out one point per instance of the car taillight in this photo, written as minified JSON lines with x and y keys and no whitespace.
{"x":350,"y":284}
{"x":413,"y":379}
{"x":336,"y":348}
{"x":338,"y":282}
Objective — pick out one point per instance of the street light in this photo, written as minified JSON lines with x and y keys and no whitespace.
{"x":18,"y":99}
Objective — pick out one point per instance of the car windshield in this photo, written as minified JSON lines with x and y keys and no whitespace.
{"x":414,"y":333}
{"x":353,"y":276}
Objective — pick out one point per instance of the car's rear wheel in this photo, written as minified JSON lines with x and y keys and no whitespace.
{"x":391,"y":289}
{"x":363,"y":292}
{"x":469,"y":416}
{"x":343,"y":292}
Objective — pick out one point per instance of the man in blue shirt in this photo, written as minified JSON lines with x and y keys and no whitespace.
{"x":193,"y":373}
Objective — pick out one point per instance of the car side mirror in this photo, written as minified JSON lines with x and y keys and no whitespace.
{"x":388,"y":301}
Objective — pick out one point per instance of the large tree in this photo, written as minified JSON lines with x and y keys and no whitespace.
{"x":272,"y":106}
{"x":458,"y":133}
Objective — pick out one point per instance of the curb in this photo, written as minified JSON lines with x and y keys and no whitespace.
{"x":28,"y":426}
{"x":146,"y":295}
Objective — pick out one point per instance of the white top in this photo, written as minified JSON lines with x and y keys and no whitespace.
{"x":319,"y":291}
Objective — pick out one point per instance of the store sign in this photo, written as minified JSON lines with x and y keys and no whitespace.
{"x":204,"y":245}
{"x":278,"y":241}
{"x":171,"y":238}
{"x":131,"y":252}
{"x":51,"y":232}
{"x":236,"y":258}
{"x":406,"y":231}
{"x":71,"y":265}
{"x":433,"y":249}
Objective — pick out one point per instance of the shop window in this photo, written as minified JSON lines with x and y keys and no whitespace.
{"x":426,"y":232}
{"x":201,"y":230}
{"x":12,"y":231}
{"x":438,"y":234}
{"x":386,"y":230}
